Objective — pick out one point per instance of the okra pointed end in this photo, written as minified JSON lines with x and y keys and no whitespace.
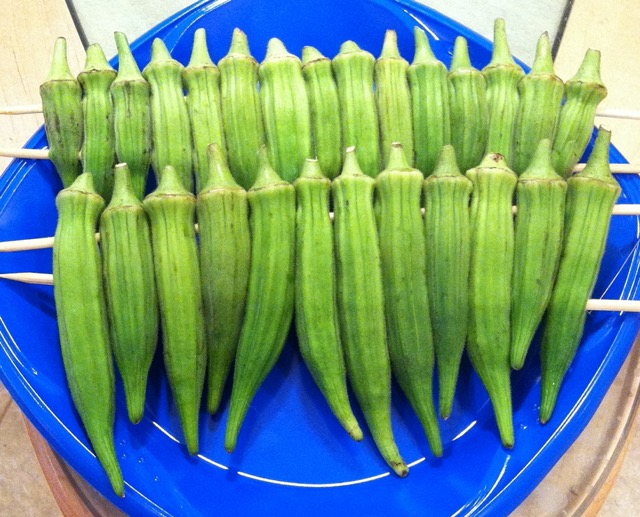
{"x":311,"y":170}
{"x":84,"y":183}
{"x":266,"y":175}
{"x":397,"y":159}
{"x":349,"y":46}
{"x":460,"y":59}
{"x":219,"y":173}
{"x":351,"y":167}
{"x":96,"y":60}
{"x":447,"y":164}
{"x":589,"y":71}
{"x":276,"y":49}
{"x":59,"y":70}
{"x":493,"y":160}
{"x":170,"y":183}
{"x":123,"y":193}
{"x":127,"y":68}
{"x":200,"y":54}
{"x":239,"y":43}
{"x":543,"y":62}
{"x":541,"y":165}
{"x":159,"y":51}
{"x":310,"y":54}
{"x":400,"y":468}
{"x":598,"y":163}
{"x":390,"y":46}
{"x":423,"y":53}
{"x":501,"y":54}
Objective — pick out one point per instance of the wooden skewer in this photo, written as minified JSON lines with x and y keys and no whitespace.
{"x":21,"y":110}
{"x":29,"y":278}
{"x":618,"y":113}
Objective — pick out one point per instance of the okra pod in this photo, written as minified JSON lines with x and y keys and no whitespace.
{"x":430,"y":104}
{"x":539,"y":225}
{"x":502,"y":75}
{"x":62,"y":109}
{"x":591,"y":196}
{"x":324,"y":106}
{"x":541,"y":92}
{"x":202,"y":82}
{"x":393,"y":99}
{"x":448,"y":252}
{"x":492,"y":247}
{"x":361,"y":304}
{"x":170,"y":126}
{"x":315,"y":305}
{"x":354,"y":69}
{"x":171,"y":211}
{"x":98,"y":149}
{"x":241,"y":110}
{"x":82,"y":319}
{"x":584,"y":92}
{"x":468,"y":104}
{"x":130,"y":93}
{"x":270,"y":297}
{"x":130,"y":289}
{"x":404,"y":279}
{"x":225,"y":252}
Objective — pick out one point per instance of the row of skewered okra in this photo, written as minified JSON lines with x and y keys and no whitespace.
{"x":380,"y":270}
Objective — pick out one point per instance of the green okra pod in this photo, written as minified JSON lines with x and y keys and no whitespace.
{"x":361,"y":304}
{"x":62,"y":109}
{"x":591,"y":196}
{"x":324,"y":106}
{"x":315,"y":305}
{"x":448,"y":252}
{"x":225,"y":253}
{"x":98,"y":149}
{"x":502,"y":75}
{"x":404,"y":279}
{"x":130,"y":289}
{"x":584,"y":92}
{"x":540,"y":198}
{"x":130,"y":94}
{"x":354,"y":70}
{"x":468,"y":105}
{"x":82,"y":319}
{"x":430,"y":104}
{"x":270,"y":297}
{"x":170,"y":125}
{"x":171,"y":211}
{"x":202,"y":82}
{"x":241,"y":110}
{"x":492,"y":247}
{"x":393,"y":99}
{"x":541,"y":92}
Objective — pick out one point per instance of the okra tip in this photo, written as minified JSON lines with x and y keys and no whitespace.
{"x":127,"y":67}
{"x":96,"y":60}
{"x":460,"y":59}
{"x":266,"y":175}
{"x":123,"y":194}
{"x":59,"y":70}
{"x":543,"y":62}
{"x":501,"y":54}
{"x":310,"y":54}
{"x":423,"y":52}
{"x":276,"y":49}
{"x":83,"y":184}
{"x":219,"y":174}
{"x":170,"y":183}
{"x":390,"y":46}
{"x":311,"y":170}
{"x":598,"y":163}
{"x":541,"y":165}
{"x":159,"y":51}
{"x":493,"y":160}
{"x":447,"y":164}
{"x":589,"y":71}
{"x":351,"y":167}
{"x":349,"y":46}
{"x":200,"y":54}
{"x":239,"y":43}
{"x":397,"y":159}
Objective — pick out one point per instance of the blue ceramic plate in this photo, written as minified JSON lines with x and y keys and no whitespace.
{"x":292,"y":456}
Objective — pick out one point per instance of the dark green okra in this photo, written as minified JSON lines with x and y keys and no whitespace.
{"x":575,"y":125}
{"x":591,"y":196}
{"x":130,"y":93}
{"x":270,"y":297}
{"x":468,"y":104}
{"x":502,"y":75}
{"x":448,"y":244}
{"x":82,"y":319}
{"x":324,"y":105}
{"x":361,"y":304}
{"x":202,"y":82}
{"x":225,"y":253}
{"x":241,"y":110}
{"x":404,"y":279}
{"x":170,"y":126}
{"x":315,"y":283}
{"x":62,"y":109}
{"x":99,"y":147}
{"x":540,"y":198}
{"x":354,"y":69}
{"x":393,"y":99}
{"x":541,"y":92}
{"x":285,"y":110}
{"x":430,"y":104}
{"x":130,"y":289}
{"x":492,"y":247}
{"x":171,"y":210}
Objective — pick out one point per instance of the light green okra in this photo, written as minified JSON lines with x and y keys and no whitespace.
{"x":404,"y":279}
{"x":98,"y":149}
{"x":448,"y":252}
{"x":225,"y":253}
{"x":354,"y":69}
{"x":171,"y":211}
{"x":130,"y":93}
{"x":324,"y":105}
{"x":541,"y":92}
{"x":82,"y":319}
{"x":540,"y":198}
{"x":170,"y":126}
{"x":202,"y":82}
{"x":591,"y":196}
{"x":61,"y":98}
{"x":241,"y":110}
{"x":430,"y":104}
{"x":130,"y":289}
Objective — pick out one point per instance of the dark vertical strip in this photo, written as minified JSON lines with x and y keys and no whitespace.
{"x":76,"y":22}
{"x":563,"y":25}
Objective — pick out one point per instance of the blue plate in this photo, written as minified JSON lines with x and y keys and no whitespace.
{"x":292,"y":456}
